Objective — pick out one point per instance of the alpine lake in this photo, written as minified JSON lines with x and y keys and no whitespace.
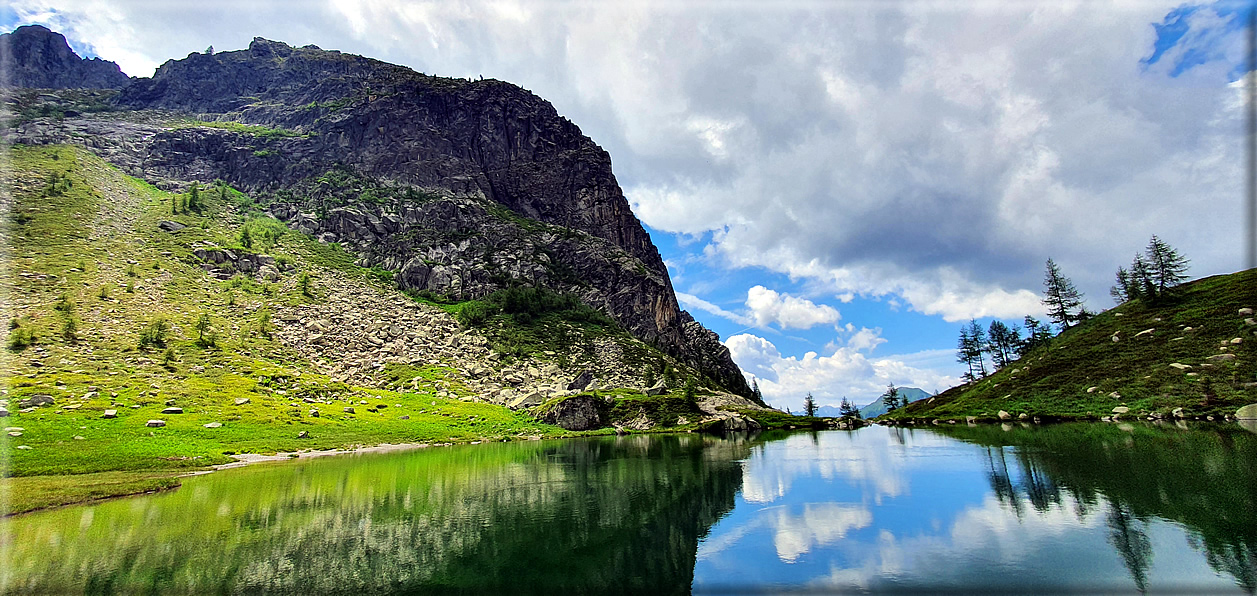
{"x":1066,"y":508}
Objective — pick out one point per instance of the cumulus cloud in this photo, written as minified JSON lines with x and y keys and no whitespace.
{"x":934,"y":152}
{"x":768,"y":307}
{"x":846,"y":372}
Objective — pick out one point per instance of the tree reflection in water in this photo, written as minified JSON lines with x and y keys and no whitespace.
{"x":1141,"y":473}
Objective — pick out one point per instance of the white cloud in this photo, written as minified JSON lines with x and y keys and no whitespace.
{"x":690,"y":301}
{"x":769,"y":307}
{"x":846,"y":372}
{"x":936,"y":152}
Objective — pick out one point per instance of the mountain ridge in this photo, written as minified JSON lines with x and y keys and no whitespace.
{"x":407,"y":171}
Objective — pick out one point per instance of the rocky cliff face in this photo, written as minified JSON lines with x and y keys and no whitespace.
{"x":461,"y":187}
{"x":35,"y":57}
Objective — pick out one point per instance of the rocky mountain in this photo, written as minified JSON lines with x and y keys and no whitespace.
{"x":35,"y":57}
{"x":460,"y":187}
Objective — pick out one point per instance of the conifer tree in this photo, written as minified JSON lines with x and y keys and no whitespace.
{"x":1060,"y":297}
{"x":809,"y":405}
{"x":891,"y":397}
{"x":1166,"y":267}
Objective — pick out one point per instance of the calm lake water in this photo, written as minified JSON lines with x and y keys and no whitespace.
{"x":1065,"y":508}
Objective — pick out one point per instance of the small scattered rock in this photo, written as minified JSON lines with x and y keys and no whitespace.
{"x":1144,"y":332}
{"x":156,"y":423}
{"x":349,"y":410}
{"x":1005,"y":415}
{"x":303,"y":435}
{"x":212,"y":425}
{"x":1237,"y":341}
{"x":15,"y":434}
{"x":1092,"y":389}
{"x":1177,"y":413}
{"x":314,"y":413}
{"x":1180,"y":366}
{"x":240,"y":401}
{"x":170,"y":226}
{"x":1022,"y":416}
{"x":404,"y":418}
{"x":110,"y":414}
{"x":1246,"y":311}
{"x":1121,"y":410}
{"x":24,"y":447}
{"x":4,"y":413}
{"x":79,"y":438}
{"x":1221,"y":357}
{"x":172,"y":410}
{"x":1115,"y":395}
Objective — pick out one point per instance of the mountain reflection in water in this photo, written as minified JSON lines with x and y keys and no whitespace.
{"x":1062,"y":508}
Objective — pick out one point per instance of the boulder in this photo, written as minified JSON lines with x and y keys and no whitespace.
{"x":1246,"y":311}
{"x":739,"y":424}
{"x":1005,"y":415}
{"x":240,"y":401}
{"x":170,"y":226}
{"x":1121,"y":410}
{"x":581,"y":381}
{"x":172,"y":410}
{"x":1248,"y":412}
{"x":1023,"y":416}
{"x":4,"y":413}
{"x":580,"y":412}
{"x":315,"y":413}
{"x":659,"y":389}
{"x":110,"y":414}
{"x":156,"y":423}
{"x":349,"y":410}
{"x":36,"y":401}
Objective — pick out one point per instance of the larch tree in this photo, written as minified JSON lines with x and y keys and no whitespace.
{"x":1062,"y":299}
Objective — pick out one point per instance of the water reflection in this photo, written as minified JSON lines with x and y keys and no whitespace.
{"x":1062,"y":508}
{"x":611,"y":515}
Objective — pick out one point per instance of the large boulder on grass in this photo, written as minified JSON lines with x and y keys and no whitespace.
{"x":1248,"y":412}
{"x":579,"y":412}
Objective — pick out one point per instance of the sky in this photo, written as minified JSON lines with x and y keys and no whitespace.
{"x":835,"y":187}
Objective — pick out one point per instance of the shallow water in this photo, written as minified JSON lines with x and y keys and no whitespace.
{"x":1058,"y":508}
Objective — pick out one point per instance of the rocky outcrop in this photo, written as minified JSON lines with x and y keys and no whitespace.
{"x":460,"y":187}
{"x":579,"y":412}
{"x":32,"y":56}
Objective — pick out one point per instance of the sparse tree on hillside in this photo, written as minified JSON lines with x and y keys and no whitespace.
{"x":809,"y":405}
{"x":967,"y":352}
{"x":891,"y":397}
{"x":1002,"y":342}
{"x":758,"y":396}
{"x":848,"y":410}
{"x":194,"y":198}
{"x":1124,"y":289}
{"x":1060,"y":296}
{"x":1166,"y":267}
{"x":1037,"y":334}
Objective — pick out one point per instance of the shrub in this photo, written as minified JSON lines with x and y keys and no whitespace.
{"x":303,"y":283}
{"x":70,"y":330}
{"x":154,"y":334}
{"x":103,"y":293}
{"x":475,"y":314}
{"x":20,"y":338}
{"x":64,"y":304}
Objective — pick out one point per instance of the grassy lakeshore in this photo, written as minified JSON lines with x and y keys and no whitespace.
{"x":1195,"y":353}
{"x":115,"y":321}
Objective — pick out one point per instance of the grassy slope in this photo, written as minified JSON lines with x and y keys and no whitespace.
{"x":1054,"y":381}
{"x":73,"y":241}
